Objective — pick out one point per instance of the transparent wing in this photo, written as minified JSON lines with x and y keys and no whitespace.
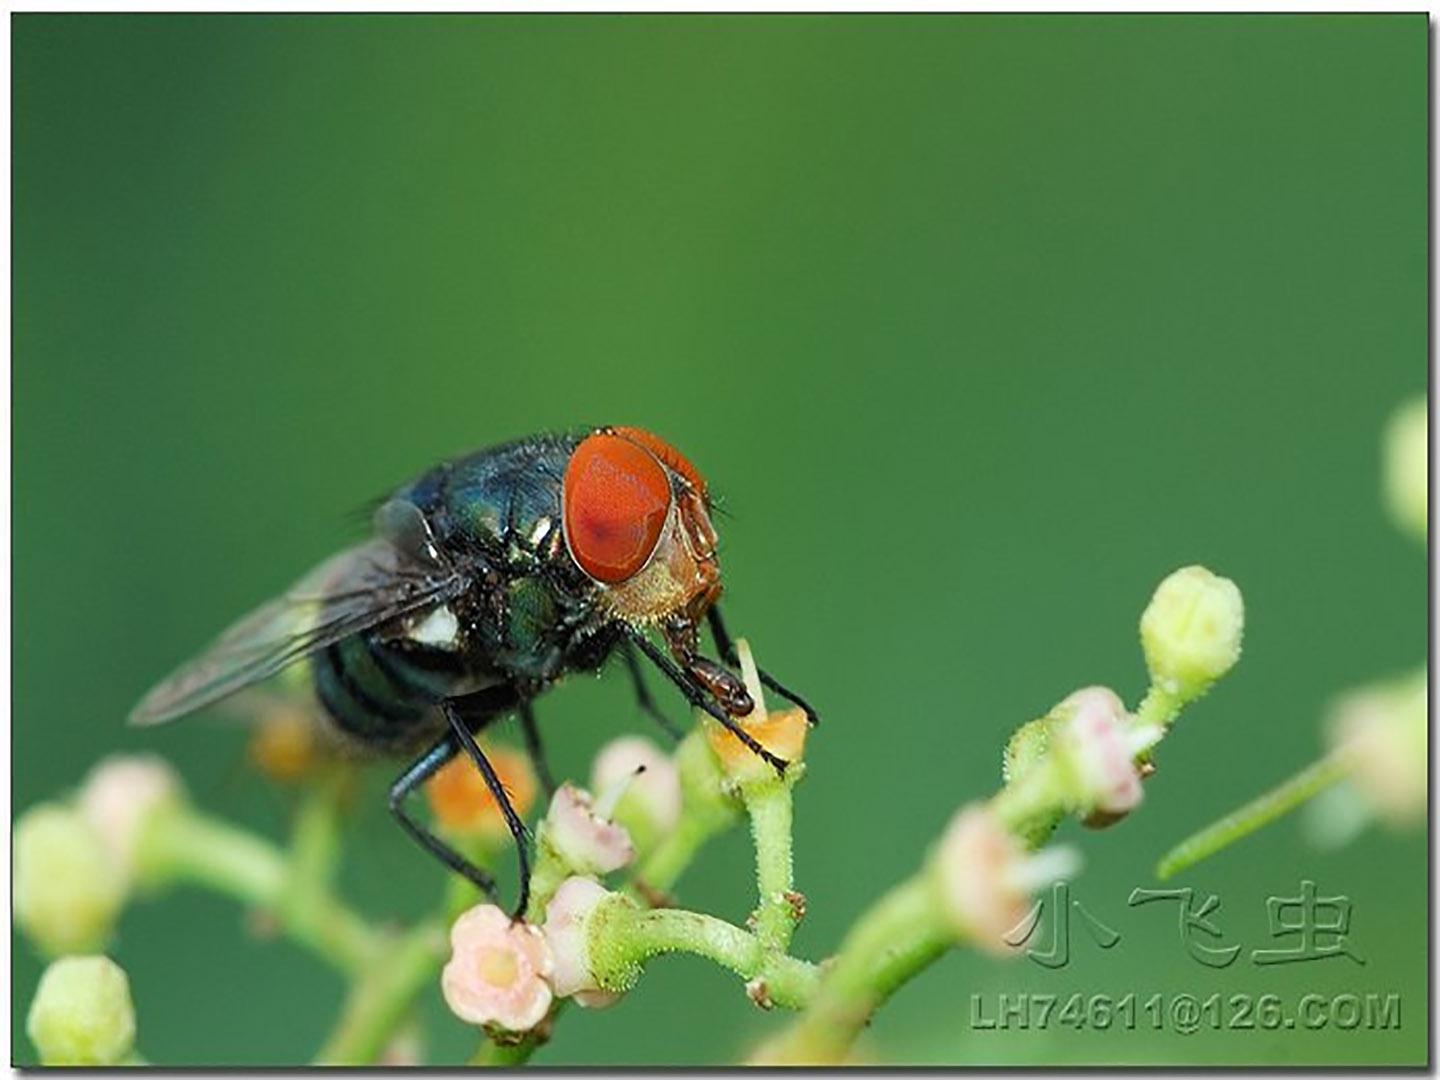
{"x":357,"y":589}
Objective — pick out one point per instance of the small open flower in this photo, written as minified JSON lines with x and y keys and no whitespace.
{"x":1191,"y":631}
{"x":285,"y":745}
{"x":1099,"y":746}
{"x":648,"y":783}
{"x":581,"y":834}
{"x":985,"y":877}
{"x":1383,"y":733}
{"x":567,"y":925}
{"x":119,"y":797}
{"x":782,"y":733}
{"x":1407,"y":466}
{"x":462,"y":802}
{"x":498,"y":971}
{"x":82,"y":1013}
{"x":67,"y":889}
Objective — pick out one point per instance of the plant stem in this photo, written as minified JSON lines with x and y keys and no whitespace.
{"x":888,"y":945}
{"x":630,"y":936}
{"x":381,"y":998}
{"x":769,"y":805}
{"x":189,"y":846}
{"x":1274,"y":804}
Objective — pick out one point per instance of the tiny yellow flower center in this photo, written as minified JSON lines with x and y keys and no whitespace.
{"x":498,"y":967}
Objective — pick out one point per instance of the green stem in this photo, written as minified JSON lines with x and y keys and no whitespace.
{"x":1036,"y":797}
{"x":770,"y":808}
{"x":1159,"y":706}
{"x":186,"y":846}
{"x":1276,"y":803}
{"x":888,"y":945}
{"x":627,"y":936}
{"x":382,"y":997}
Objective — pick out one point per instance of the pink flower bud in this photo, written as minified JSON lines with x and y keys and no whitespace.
{"x":582,"y":836}
{"x":119,"y":795}
{"x":498,"y":971}
{"x":567,"y":931}
{"x":646,"y":777}
{"x":1100,"y":747}
{"x":985,"y":877}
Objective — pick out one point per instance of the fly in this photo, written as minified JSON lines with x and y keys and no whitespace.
{"x":488,"y":579}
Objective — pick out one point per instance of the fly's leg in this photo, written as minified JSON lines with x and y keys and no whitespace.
{"x":642,"y":694}
{"x":727,"y":651}
{"x":696,"y":696}
{"x":460,"y":730}
{"x":535,"y":748}
{"x":426,"y":766}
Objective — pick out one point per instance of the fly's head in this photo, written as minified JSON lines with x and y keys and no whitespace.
{"x":636,"y":518}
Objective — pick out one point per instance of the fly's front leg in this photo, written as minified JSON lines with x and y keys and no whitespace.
{"x":726,"y":648}
{"x":696,"y":695}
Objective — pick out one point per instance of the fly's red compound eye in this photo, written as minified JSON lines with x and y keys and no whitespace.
{"x":666,"y":453}
{"x":616,"y":497}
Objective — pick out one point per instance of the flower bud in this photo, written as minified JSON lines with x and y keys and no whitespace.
{"x":1383,"y":733}
{"x":498,"y":971}
{"x":648,"y":784}
{"x":985,"y":877}
{"x":461,"y":800}
{"x":67,"y":890}
{"x":120,"y":796}
{"x":1407,"y":464}
{"x":1191,"y":631}
{"x":1099,"y":747}
{"x":582,"y":836}
{"x":82,"y":1013}
{"x":567,"y":930}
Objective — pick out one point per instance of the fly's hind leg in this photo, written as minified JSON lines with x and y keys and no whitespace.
{"x":424,"y":767}
{"x":464,"y":721}
{"x":727,"y":651}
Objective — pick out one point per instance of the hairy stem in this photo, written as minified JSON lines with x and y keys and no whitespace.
{"x":888,"y":945}
{"x":1274,"y":804}
{"x":382,"y":996}
{"x":187,"y":846}
{"x":627,"y":937}
{"x":769,"y":805}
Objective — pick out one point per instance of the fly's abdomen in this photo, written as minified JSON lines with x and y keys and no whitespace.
{"x":382,"y":689}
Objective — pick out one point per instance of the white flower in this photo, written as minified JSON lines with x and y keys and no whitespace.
{"x":567,"y":918}
{"x":118,"y":798}
{"x":582,"y":837}
{"x":67,"y":890}
{"x":1407,"y":466}
{"x":646,"y":781}
{"x":1100,"y":747}
{"x":498,"y":973}
{"x":985,"y":877}
{"x":1383,"y":733}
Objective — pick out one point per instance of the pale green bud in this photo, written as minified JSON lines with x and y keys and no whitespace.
{"x":1406,"y":467}
{"x":1191,"y":631}
{"x":68,"y":890}
{"x":82,"y":1013}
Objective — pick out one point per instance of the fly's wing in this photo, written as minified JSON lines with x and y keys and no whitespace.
{"x":357,"y":589}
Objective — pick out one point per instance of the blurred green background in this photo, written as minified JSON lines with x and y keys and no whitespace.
{"x":980,"y":326}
